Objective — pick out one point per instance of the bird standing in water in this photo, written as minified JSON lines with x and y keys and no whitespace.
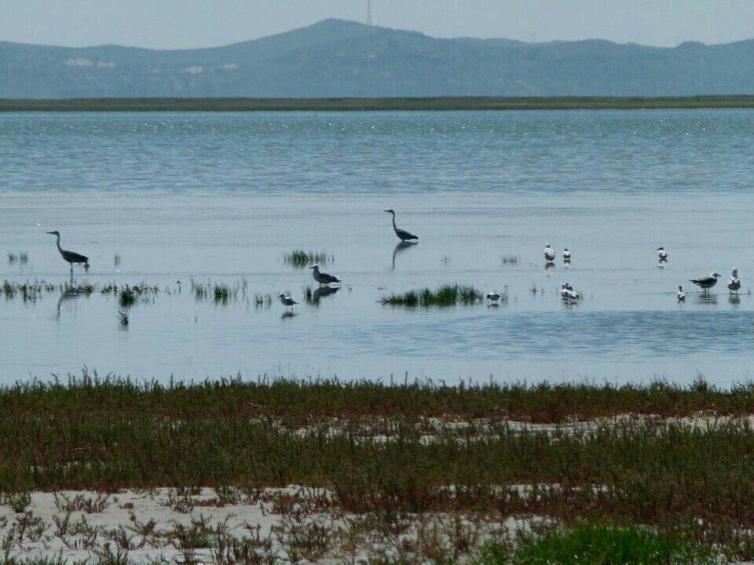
{"x":70,"y":256}
{"x":735,"y":282}
{"x":549,"y":253}
{"x":706,"y":283}
{"x":287,"y":301}
{"x":662,"y":255}
{"x":680,"y":294}
{"x":323,"y":278}
{"x":403,"y":235}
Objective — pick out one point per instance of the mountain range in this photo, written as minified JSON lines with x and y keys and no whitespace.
{"x":336,"y":58}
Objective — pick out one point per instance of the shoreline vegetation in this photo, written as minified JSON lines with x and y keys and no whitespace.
{"x":418,"y":466}
{"x":372,"y":104}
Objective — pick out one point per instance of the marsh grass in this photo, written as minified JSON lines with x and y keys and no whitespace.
{"x":220,"y":293}
{"x":300,"y":259}
{"x":443,"y":296}
{"x":585,"y":544}
{"x":396,"y":448}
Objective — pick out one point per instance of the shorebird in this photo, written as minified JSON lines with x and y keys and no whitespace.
{"x":662,"y":254}
{"x":323,"y":278}
{"x":705,"y":283}
{"x":566,"y":256}
{"x":568,"y":294}
{"x":549,"y":253}
{"x":403,"y":235}
{"x":70,"y":256}
{"x":680,"y":294}
{"x":494,"y":296}
{"x":735,"y":282}
{"x":287,"y":301}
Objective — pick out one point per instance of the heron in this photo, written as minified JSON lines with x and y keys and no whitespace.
{"x":403,"y":235}
{"x":323,"y":278}
{"x":662,"y":254}
{"x":735,"y":282}
{"x":566,"y":255}
{"x":70,"y":256}
{"x":705,"y":283}
{"x":287,"y":301}
{"x":549,"y":253}
{"x":680,"y":295}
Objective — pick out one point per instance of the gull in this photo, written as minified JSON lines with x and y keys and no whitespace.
{"x":287,"y":301}
{"x":705,"y":283}
{"x":662,"y":254}
{"x":566,"y":256}
{"x":680,"y":294}
{"x":323,"y":278}
{"x":568,"y":294}
{"x":403,"y":235}
{"x":735,"y":282}
{"x":549,"y":253}
{"x":494,"y":296}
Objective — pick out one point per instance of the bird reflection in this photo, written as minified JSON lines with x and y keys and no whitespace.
{"x":323,"y":291}
{"x":287,"y":314}
{"x":67,"y":294}
{"x":706,"y":298}
{"x":400,"y":247}
{"x":549,"y":266}
{"x":734,"y":299}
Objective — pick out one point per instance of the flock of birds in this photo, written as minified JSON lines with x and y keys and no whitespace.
{"x":567,"y":292}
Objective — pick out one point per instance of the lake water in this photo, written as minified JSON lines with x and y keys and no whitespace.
{"x":220,"y":198}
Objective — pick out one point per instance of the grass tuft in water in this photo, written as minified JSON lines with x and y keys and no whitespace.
{"x":449,"y":295}
{"x":127,"y":297}
{"x":299,"y":259}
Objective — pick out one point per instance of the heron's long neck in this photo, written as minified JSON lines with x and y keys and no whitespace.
{"x":394,"y":226}
{"x":58,"y":241}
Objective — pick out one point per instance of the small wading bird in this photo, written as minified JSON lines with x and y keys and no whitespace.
{"x":566,"y":256}
{"x":568,"y":294}
{"x":549,"y":253}
{"x":287,"y":301}
{"x":680,"y":294}
{"x":493,"y":297}
{"x":403,"y":235}
{"x":705,"y":283}
{"x":662,"y":254}
{"x":323,"y":278}
{"x":735,"y":282}
{"x":70,"y":256}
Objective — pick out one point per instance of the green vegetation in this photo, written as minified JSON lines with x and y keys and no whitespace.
{"x":587,"y":544}
{"x":443,"y":296}
{"x":300,"y":259}
{"x":371,"y":104}
{"x":572,"y":454}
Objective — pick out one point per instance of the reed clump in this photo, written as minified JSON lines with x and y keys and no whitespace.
{"x":299,"y":259}
{"x":448,"y":295}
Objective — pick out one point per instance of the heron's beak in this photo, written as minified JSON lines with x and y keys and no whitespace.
{"x":51,"y":232}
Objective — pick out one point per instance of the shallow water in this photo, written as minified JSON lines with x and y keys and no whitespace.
{"x":222,"y":197}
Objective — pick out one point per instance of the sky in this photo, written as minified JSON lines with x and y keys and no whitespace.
{"x":178,"y":24}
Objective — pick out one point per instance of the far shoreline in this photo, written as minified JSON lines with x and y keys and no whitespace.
{"x":372,"y":104}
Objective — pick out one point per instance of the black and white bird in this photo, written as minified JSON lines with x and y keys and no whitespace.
{"x":568,"y":294}
{"x":70,"y":256}
{"x":735,"y":282}
{"x":680,"y":295}
{"x":662,"y":254}
{"x":566,"y":256}
{"x":549,"y":253}
{"x":287,"y":301}
{"x":403,"y":235}
{"x":323,"y":278}
{"x":706,"y":283}
{"x":493,"y":297}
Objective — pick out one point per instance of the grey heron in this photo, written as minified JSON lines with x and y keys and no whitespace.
{"x":549,"y":253}
{"x":70,"y":256}
{"x":705,"y":283}
{"x":287,"y":301}
{"x":680,"y":295}
{"x":735,"y":282}
{"x":323,"y":278}
{"x":662,"y":254}
{"x":403,"y":235}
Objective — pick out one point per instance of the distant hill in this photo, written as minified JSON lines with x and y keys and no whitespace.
{"x":336,"y":58}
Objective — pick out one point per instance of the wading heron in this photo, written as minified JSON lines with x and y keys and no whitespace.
{"x":403,"y":235}
{"x":70,"y":256}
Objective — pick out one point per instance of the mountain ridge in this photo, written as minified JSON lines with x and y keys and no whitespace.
{"x":339,"y":58}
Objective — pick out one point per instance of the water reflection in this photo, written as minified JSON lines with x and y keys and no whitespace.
{"x":400,"y":247}
{"x":734,"y":299}
{"x":549,"y":266}
{"x":67,"y":294}
{"x":706,"y":298}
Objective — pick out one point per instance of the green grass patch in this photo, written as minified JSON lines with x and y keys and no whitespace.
{"x":300,"y":259}
{"x":589,"y":544}
{"x":448,"y":295}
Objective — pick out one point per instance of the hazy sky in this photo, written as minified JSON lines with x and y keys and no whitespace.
{"x":200,"y":23}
